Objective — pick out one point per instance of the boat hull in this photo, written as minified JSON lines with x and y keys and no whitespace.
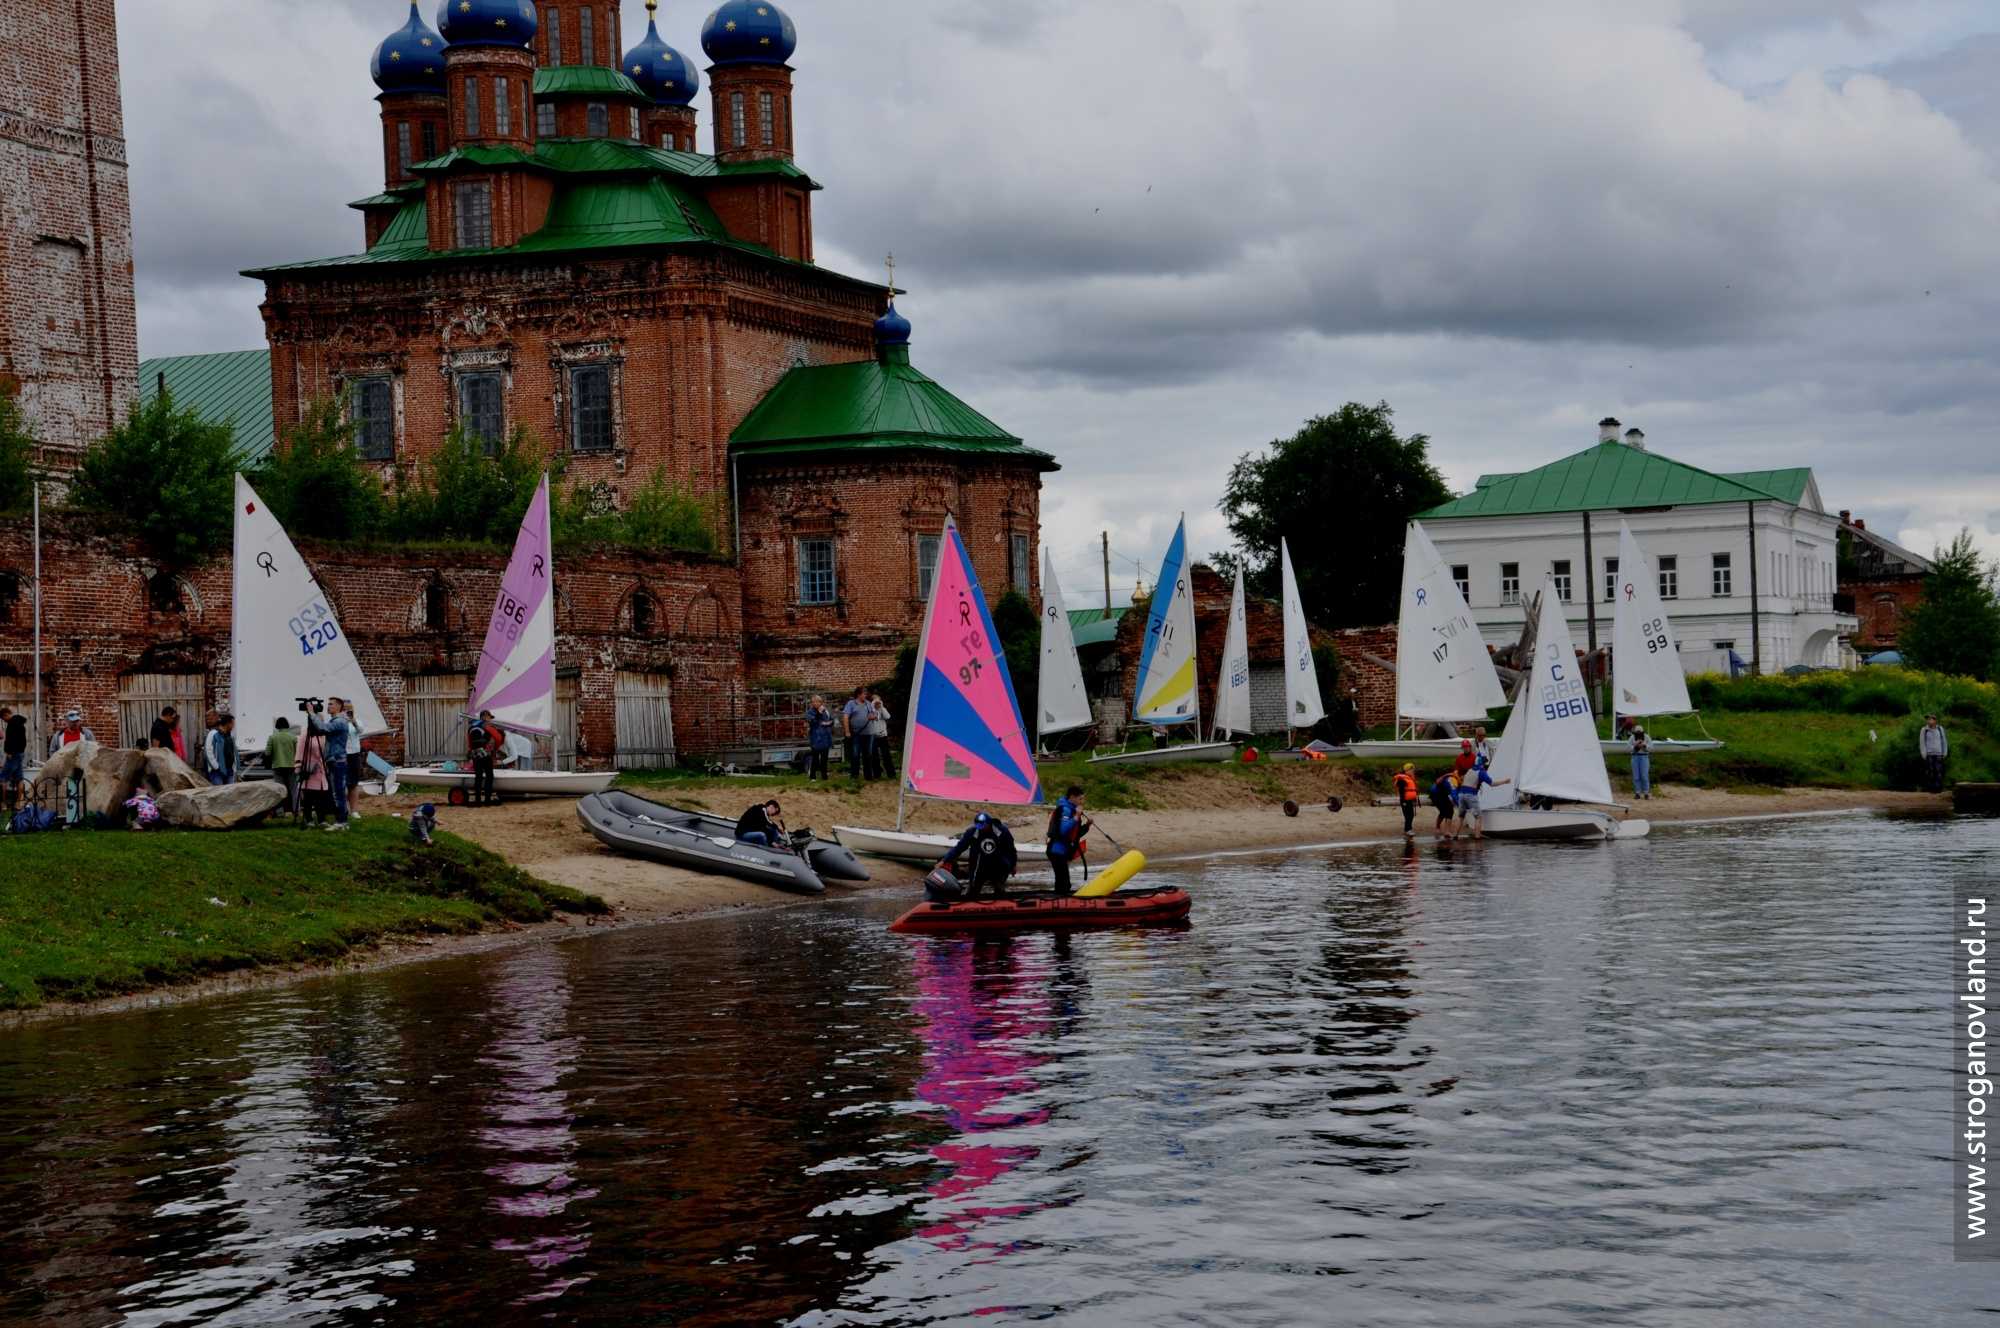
{"x":1559,"y":823}
{"x":515,"y":783}
{"x":638,"y":828}
{"x":1431,"y":749}
{"x":908,"y":846}
{"x":1191,"y":751}
{"x":1162,"y":907}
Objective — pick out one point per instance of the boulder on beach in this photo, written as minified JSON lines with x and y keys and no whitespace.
{"x":224,"y":807}
{"x":109,"y":774}
{"x":167,"y":773}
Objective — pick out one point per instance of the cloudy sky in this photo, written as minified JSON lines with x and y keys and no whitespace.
{"x":1150,"y":235}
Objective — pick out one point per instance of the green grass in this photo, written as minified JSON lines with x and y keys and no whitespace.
{"x":85,"y":914}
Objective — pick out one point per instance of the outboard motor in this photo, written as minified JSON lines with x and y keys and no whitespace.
{"x":941,"y":887}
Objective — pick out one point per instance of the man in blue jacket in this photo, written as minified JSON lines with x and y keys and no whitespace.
{"x":988,"y":846}
{"x":1067,"y":827}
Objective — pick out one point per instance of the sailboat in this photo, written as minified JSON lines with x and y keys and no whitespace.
{"x":1647,"y":678}
{"x":517,"y":671}
{"x":1232,"y":688}
{"x":1062,"y":704}
{"x":1443,"y":673}
{"x":285,"y":643}
{"x":1167,"y":694}
{"x":964,"y":740}
{"x":1550,"y":749}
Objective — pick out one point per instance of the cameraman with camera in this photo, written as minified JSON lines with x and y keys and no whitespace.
{"x":330,"y":724}
{"x":484,"y":741}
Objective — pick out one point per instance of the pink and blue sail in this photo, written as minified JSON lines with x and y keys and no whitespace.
{"x":965,"y":741}
{"x":517,"y":664}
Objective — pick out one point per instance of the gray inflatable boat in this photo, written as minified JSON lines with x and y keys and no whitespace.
{"x":705,"y":843}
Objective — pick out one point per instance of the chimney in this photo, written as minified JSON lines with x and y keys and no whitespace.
{"x":1635,"y":439}
{"x":1607,"y":430}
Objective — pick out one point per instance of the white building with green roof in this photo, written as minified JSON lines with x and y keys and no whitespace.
{"x":1745,"y":560}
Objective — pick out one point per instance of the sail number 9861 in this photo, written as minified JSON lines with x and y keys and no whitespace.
{"x":1655,"y":633}
{"x":315,"y":628}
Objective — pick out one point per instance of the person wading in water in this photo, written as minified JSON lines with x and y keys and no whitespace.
{"x":1067,"y":827}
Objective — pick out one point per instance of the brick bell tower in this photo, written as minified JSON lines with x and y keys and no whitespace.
{"x":579,"y":32}
{"x":491,"y":195}
{"x":748,"y":43}
{"x":409,"y":69}
{"x":669,"y":79}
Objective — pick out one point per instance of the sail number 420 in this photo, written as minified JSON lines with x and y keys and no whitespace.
{"x":315,"y":628}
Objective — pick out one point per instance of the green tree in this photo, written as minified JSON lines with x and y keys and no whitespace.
{"x":1340,"y":491}
{"x":17,"y":455}
{"x":1955,"y":627}
{"x":1019,"y":628}
{"x":314,"y":482}
{"x":662,"y":513}
{"x":470,"y":489}
{"x":168,"y":472}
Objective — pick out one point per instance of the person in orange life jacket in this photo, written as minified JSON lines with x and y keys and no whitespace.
{"x":992,"y":857}
{"x":483,"y":742}
{"x":1406,"y":797}
{"x":1067,"y":827}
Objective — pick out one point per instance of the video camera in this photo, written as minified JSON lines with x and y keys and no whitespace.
{"x":310,"y":705}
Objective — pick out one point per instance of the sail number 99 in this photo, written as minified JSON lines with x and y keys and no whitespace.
{"x":315,"y":628}
{"x":1655,"y":633}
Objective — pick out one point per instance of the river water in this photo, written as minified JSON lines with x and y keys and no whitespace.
{"x":1702,"y":1079}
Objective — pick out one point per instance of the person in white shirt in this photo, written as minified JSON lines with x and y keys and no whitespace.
{"x":882,"y":760}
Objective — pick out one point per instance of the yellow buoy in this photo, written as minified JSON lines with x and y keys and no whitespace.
{"x":1114,"y":876}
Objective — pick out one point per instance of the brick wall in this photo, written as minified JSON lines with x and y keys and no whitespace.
{"x":109,"y":613}
{"x":68,"y":332}
{"x":1374,"y":683}
{"x":874,"y":512}
{"x":1881,"y":606}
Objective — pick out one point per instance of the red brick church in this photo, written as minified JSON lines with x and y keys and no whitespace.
{"x":552,"y":250}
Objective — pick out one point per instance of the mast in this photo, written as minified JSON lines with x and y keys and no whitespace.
{"x":1194,"y":637}
{"x":1107,"y":574}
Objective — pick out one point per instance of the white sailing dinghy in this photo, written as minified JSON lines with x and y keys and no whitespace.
{"x":1647,"y":677}
{"x":1443,"y":673}
{"x":1062,"y":705}
{"x":517,"y":672}
{"x":1167,"y":694}
{"x":1550,"y":750}
{"x":963,"y":740}
{"x":285,"y":644}
{"x":1232,"y":688}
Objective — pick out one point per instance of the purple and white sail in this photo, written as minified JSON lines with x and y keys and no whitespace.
{"x":517,"y":665}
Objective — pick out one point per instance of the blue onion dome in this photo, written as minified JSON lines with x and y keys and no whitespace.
{"x":749,"y":32}
{"x":667,"y":76}
{"x":486,"y":22}
{"x":410,"y":59}
{"x":892,"y":329}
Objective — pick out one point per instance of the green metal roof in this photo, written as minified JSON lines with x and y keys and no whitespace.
{"x":1089,"y":627}
{"x":869,"y":405}
{"x":231,"y":387}
{"x":1608,"y":476}
{"x":475,"y":154}
{"x":584,"y":81}
{"x":1789,"y":484}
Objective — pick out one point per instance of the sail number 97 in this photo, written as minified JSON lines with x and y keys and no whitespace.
{"x":972,"y":641}
{"x":315,"y":628}
{"x":1655,"y":633}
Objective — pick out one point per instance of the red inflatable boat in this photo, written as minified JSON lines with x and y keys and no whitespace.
{"x":1127,"y":908}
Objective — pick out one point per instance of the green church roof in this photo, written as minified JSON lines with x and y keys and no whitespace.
{"x":230,"y":387}
{"x":869,"y":405}
{"x":1609,"y":476}
{"x":586,"y":81}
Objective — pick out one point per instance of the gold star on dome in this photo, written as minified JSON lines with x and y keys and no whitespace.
{"x":465,"y":6}
{"x":730,"y":26}
{"x":423,"y":41}
{"x":638,"y":70}
{"x":395,"y":55}
{"x":763,"y":12}
{"x":763,"y":41}
{"x":499,"y":22}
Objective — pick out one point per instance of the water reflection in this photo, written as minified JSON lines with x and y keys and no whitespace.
{"x":532,"y":1126}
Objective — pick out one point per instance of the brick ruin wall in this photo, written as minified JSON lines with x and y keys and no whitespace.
{"x":109,"y":613}
{"x":68,"y":329}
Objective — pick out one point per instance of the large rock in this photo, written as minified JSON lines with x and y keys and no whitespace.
{"x":109,"y":774}
{"x":224,"y":807}
{"x":167,"y":773}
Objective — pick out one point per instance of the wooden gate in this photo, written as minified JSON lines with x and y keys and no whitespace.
{"x":566,"y":724}
{"x":434,"y":717}
{"x":645,"y":721}
{"x":141,"y":697}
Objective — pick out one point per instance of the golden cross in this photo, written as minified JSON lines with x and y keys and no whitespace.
{"x":890,"y":261}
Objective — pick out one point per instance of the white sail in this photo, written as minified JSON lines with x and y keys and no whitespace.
{"x":1442,"y":668}
{"x":1232,"y":689}
{"x":1166,"y":691}
{"x":1559,"y":753}
{"x":1506,"y":762}
{"x":285,"y":642}
{"x":1647,"y":669}
{"x":1303,"y":706}
{"x":1063,"y":704}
